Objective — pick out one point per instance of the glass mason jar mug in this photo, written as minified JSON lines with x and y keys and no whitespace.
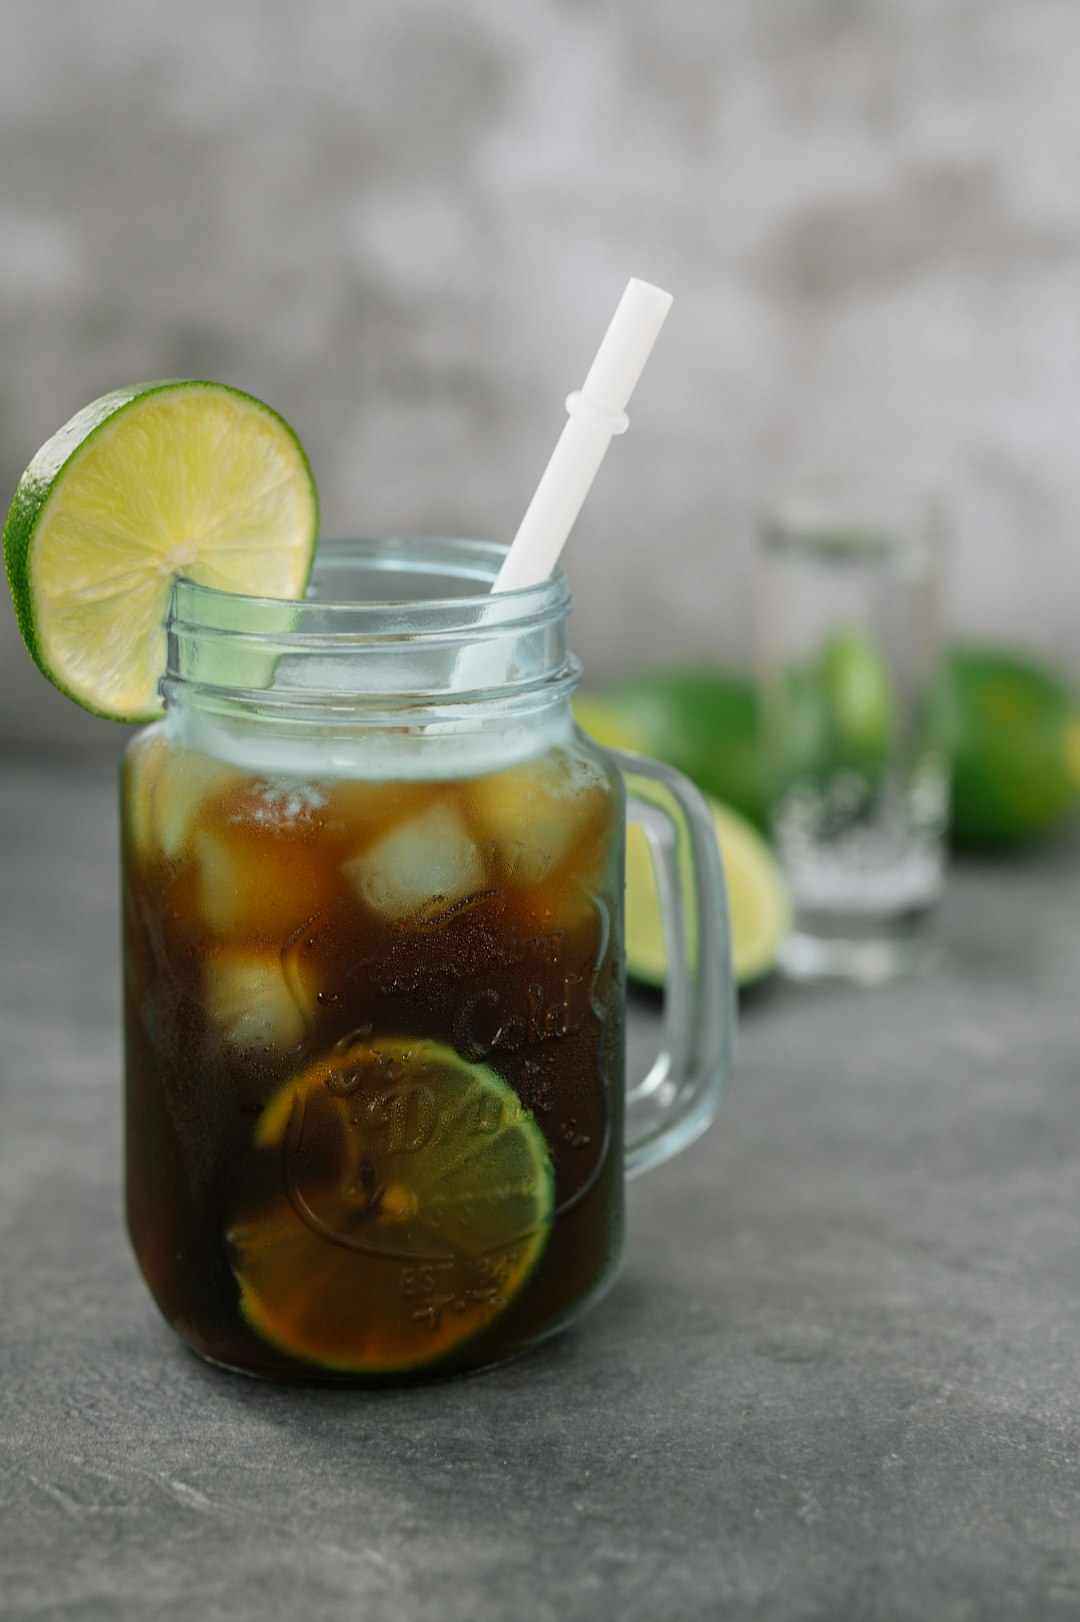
{"x":377,"y":1120}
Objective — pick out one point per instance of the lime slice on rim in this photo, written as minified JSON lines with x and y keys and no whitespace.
{"x":758,"y":904}
{"x":415,"y":1200}
{"x":149,"y":482}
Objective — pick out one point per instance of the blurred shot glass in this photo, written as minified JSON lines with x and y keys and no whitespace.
{"x":849,"y":585}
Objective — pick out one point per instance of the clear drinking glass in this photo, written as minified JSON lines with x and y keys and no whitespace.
{"x":378,"y":1123}
{"x":848,"y":639}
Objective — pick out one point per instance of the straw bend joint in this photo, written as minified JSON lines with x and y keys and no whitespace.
{"x":591,"y":415}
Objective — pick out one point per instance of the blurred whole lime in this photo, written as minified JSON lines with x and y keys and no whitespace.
{"x":802,"y":746}
{"x":1012,"y":727}
{"x":835,"y":712}
{"x":605,"y":722}
{"x":1014,"y":735}
{"x":702,"y":721}
{"x":857,"y":699}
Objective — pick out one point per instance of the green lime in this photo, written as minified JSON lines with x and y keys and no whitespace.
{"x":415,"y":1200}
{"x":857,"y":700}
{"x":152,"y":481}
{"x":758,"y":904}
{"x":606,"y":725}
{"x":704,"y":723}
{"x":1013,"y":730}
{"x":1011,"y":725}
{"x":802,"y":747}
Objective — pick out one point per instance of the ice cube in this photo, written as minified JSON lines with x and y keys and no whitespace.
{"x":422,"y":865}
{"x":142,"y":767}
{"x":186,"y":784}
{"x":262,"y":869}
{"x":249,"y":1001}
{"x":253,"y":887}
{"x":289,"y":805}
{"x":530,"y":816}
{"x":165,"y":788}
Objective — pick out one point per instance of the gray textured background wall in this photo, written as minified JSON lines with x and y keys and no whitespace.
{"x":405,"y":225}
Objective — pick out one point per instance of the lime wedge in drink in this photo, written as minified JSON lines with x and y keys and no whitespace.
{"x":415,"y":1199}
{"x":758,"y":903}
{"x":153,"y":481}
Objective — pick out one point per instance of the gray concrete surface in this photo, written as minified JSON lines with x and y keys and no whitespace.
{"x":837,"y":1379}
{"x":406,"y":225}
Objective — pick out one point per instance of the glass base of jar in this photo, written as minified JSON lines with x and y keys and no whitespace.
{"x":863,"y":951}
{"x":327,"y":1379}
{"x":443,"y":1370}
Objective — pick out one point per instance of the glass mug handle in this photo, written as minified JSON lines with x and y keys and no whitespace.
{"x":671,"y":1105}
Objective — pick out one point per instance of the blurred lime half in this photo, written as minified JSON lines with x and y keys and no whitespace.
{"x":759,"y":908}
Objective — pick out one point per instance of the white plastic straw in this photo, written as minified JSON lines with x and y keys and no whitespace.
{"x":597,"y":413}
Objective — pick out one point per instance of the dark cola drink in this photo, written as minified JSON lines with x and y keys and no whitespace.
{"x":375,"y":1056}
